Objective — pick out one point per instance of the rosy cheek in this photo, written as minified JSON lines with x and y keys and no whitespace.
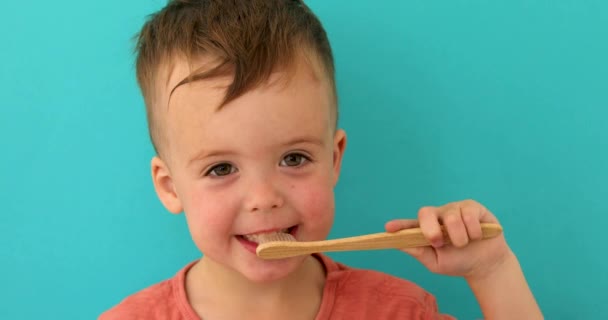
{"x":319,"y":208}
{"x":321,"y":202}
{"x":207,"y":213}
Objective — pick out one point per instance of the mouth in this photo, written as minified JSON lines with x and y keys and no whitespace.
{"x":261,"y":237}
{"x":252,"y":240}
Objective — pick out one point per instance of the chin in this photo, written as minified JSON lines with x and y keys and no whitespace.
{"x":272,"y":270}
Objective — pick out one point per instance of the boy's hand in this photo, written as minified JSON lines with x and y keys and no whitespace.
{"x":467,"y":256}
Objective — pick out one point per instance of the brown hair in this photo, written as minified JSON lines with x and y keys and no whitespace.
{"x":250,"y":39}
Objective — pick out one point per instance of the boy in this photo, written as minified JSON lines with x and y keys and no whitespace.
{"x":242,"y":111}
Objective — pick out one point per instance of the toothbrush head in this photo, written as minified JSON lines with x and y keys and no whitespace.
{"x":272,"y":241}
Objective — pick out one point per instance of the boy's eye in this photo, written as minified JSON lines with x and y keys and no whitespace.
{"x":294,"y":160}
{"x":222,"y":169}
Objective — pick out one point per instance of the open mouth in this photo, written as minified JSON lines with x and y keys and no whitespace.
{"x":267,"y":236}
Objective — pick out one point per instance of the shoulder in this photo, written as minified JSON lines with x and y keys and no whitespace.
{"x":143,"y":304}
{"x":164,"y":300}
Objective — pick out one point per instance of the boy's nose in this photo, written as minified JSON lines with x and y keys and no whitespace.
{"x":263,"y":196}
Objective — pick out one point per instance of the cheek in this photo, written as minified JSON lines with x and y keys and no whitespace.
{"x":320,"y":203}
{"x":209,"y":214}
{"x":316,"y":205}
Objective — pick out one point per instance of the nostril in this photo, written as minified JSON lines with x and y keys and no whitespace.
{"x":263,"y":197}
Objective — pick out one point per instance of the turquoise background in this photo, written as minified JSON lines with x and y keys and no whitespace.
{"x":505,"y":102}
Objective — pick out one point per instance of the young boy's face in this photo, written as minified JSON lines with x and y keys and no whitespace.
{"x":266,"y":162}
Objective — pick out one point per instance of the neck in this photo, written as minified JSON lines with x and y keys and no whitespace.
{"x":211,"y":284}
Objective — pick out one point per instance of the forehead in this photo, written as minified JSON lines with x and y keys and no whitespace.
{"x":173,"y":72}
{"x":300,"y":82}
{"x":292,"y":102}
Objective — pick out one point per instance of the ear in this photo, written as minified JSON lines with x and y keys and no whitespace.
{"x":339,"y":147}
{"x":163,"y":184}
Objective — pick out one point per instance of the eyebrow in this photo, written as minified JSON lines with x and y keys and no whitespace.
{"x":305,"y":139}
{"x":206,"y":154}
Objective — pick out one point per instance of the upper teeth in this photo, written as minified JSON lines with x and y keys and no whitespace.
{"x":262,"y":237}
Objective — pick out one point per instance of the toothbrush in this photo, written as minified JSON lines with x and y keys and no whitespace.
{"x":284,"y":245}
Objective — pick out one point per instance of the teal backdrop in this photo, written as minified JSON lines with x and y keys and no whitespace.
{"x":505,"y":102}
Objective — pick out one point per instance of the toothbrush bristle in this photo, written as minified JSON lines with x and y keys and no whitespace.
{"x":278,"y":237}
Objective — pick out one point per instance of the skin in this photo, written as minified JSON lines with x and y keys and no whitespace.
{"x":270,"y":160}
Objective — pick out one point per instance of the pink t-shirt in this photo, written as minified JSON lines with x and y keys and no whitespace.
{"x":348,"y":294}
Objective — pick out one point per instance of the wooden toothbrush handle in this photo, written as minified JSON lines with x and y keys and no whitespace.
{"x":407,"y":238}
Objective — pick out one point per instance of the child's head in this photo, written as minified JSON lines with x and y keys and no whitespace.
{"x":242,"y":111}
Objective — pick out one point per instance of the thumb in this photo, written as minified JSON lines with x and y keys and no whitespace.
{"x":414,"y":252}
{"x":427,"y":255}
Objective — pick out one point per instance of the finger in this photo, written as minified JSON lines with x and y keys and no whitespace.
{"x":487,"y":216}
{"x":426,"y":255}
{"x":400,"y":224}
{"x":452,"y":221}
{"x":471,"y":216}
{"x":429,"y":224}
